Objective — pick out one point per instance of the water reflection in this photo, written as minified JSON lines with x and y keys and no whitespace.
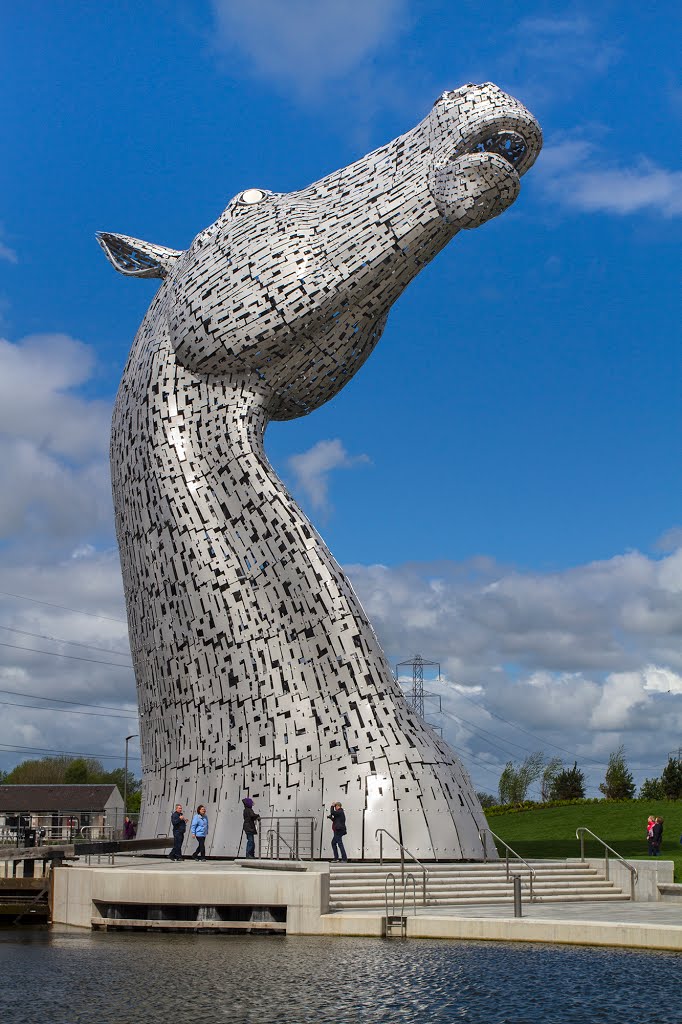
{"x":75,"y":977}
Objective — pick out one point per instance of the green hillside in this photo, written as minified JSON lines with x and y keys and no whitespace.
{"x":550,"y":831}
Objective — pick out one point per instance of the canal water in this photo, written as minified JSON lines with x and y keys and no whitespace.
{"x":75,"y":977}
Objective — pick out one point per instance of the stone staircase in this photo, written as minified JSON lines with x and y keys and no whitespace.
{"x":361,"y":885}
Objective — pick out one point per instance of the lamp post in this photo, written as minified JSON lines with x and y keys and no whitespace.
{"x":132,"y":736}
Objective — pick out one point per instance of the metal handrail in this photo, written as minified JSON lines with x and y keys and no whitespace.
{"x":301,"y":830}
{"x":107,"y":831}
{"x":270,"y":834}
{"x":403,"y":851}
{"x":580,"y":834}
{"x":392,"y":877}
{"x":409,"y":877}
{"x":508,"y":850}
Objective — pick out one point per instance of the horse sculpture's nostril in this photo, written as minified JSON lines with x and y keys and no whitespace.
{"x":510,"y":145}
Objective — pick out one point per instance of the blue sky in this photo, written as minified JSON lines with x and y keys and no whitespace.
{"x":515,"y":434}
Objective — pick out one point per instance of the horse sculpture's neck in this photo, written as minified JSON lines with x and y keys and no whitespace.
{"x":257,"y":669}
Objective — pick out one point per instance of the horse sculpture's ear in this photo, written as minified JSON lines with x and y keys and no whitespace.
{"x":135,"y":258}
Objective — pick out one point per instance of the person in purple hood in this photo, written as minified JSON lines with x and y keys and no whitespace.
{"x":250,"y":819}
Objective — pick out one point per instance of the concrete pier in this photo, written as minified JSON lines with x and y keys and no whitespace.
{"x":291,"y":897}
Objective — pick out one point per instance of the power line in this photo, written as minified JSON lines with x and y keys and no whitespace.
{"x":63,"y":700}
{"x":485,"y":733}
{"x":66,"y":711}
{"x":533,"y":735}
{"x":71,"y":657}
{"x":70,"y":753}
{"x":584,"y":762}
{"x":60,"y":640}
{"x":50,"y":604}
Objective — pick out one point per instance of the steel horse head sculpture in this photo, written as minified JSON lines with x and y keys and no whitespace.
{"x":258,"y":672}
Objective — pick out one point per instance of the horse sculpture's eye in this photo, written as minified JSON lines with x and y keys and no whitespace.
{"x":251,"y":196}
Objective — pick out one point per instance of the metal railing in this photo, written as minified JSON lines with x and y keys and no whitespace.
{"x":381,"y":832}
{"x":98,"y":831}
{"x":409,"y":877}
{"x":507,"y":850}
{"x":295,"y":834}
{"x":580,"y":834}
{"x":271,"y":838}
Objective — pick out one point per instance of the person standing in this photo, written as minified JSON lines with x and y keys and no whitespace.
{"x":657,"y":836}
{"x":178,"y":825}
{"x":338,"y":820}
{"x":250,"y":829}
{"x":128,"y":828}
{"x":651,"y":821}
{"x":199,"y":829}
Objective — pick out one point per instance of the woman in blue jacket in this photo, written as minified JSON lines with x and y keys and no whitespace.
{"x":199,"y":829}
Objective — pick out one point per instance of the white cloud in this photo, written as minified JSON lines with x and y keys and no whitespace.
{"x":7,"y":254}
{"x":582,"y":659}
{"x":573,"y":173}
{"x":96,"y":669}
{"x":306,"y":42}
{"x":566,"y":46}
{"x":311,"y":469}
{"x":54,"y":473}
{"x":670,"y":540}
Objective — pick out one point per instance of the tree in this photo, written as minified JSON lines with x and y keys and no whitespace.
{"x":568,"y":784}
{"x":73,"y":771}
{"x":618,"y":782}
{"x":42,"y":771}
{"x":515,"y":781}
{"x":549,"y":773}
{"x":77,"y":773}
{"x":671,"y":779}
{"x":668,"y":787}
{"x":652,"y":789}
{"x":486,"y":800}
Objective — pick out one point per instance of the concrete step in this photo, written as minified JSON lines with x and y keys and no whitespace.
{"x":351,"y":871}
{"x":355,"y":885}
{"x":454,"y":894}
{"x":479,"y":901}
{"x":341,"y":878}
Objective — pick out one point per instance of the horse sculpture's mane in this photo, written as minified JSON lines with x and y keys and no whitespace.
{"x":258,"y":672}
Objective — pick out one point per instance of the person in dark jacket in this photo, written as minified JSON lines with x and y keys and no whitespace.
{"x":338,"y":820}
{"x":128,"y":828}
{"x":178,"y":824}
{"x":250,"y":829}
{"x":657,"y":837}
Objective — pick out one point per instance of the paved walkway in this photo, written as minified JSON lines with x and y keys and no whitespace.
{"x":620,"y":924}
{"x":620,"y":910}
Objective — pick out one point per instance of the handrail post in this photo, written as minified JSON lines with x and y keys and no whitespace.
{"x":506,"y":860}
{"x":606,"y":863}
{"x":582,"y":844}
{"x":517,"y":896}
{"x":381,"y":849}
{"x":402,"y":864}
{"x":632,"y":886}
{"x":423,"y":888}
{"x":296,"y":837}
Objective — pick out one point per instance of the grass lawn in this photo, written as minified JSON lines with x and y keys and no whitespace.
{"x":550,"y":831}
